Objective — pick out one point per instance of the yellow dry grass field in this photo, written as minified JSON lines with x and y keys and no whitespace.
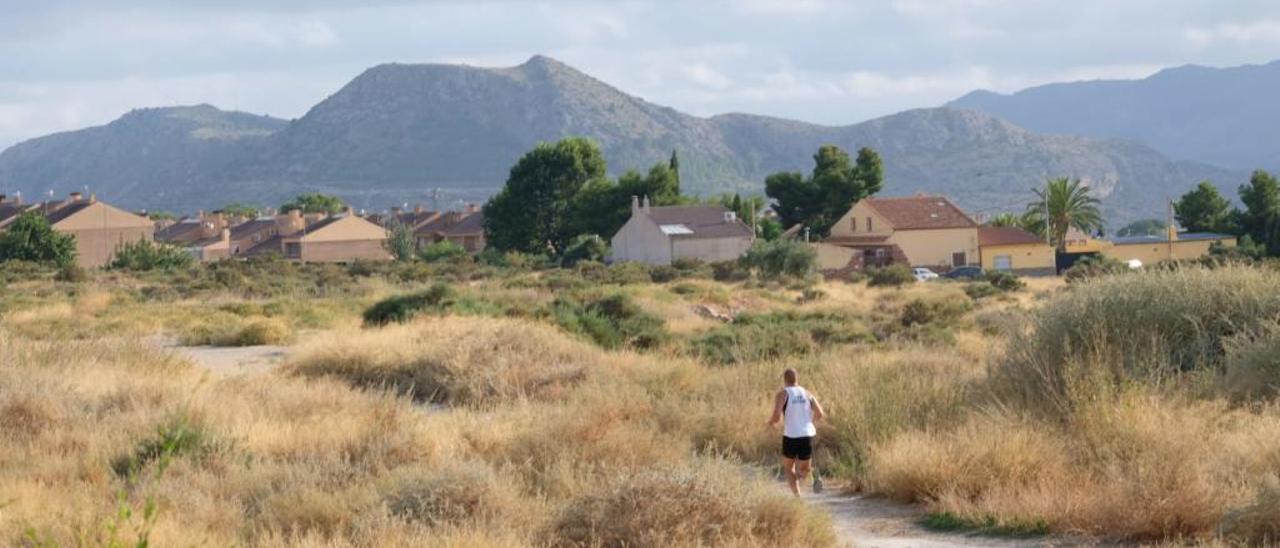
{"x":473,"y":407}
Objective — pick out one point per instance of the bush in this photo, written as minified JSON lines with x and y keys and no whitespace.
{"x":1004,"y":281}
{"x":443,"y":250}
{"x":892,"y":275}
{"x":1146,"y":327}
{"x":143,"y":255}
{"x":1252,"y":366}
{"x":264,"y":331}
{"x":612,"y":321}
{"x":941,"y":311}
{"x":980,"y":290}
{"x":811,"y":294}
{"x":30,"y":238}
{"x":72,"y":273}
{"x":584,"y":247}
{"x":661,"y":274}
{"x":1095,"y":266}
{"x":625,"y":273}
{"x":176,"y":437}
{"x":759,"y":337}
{"x":729,"y":271}
{"x":468,"y":495}
{"x":781,"y":258}
{"x":402,"y":308}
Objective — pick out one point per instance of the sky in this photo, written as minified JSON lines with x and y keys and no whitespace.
{"x":70,"y":64}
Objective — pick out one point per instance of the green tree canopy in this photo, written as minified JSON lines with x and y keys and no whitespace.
{"x":835,"y":185}
{"x":315,"y":202}
{"x":1203,"y":209}
{"x":237,"y":209}
{"x":603,"y":206}
{"x":1261,"y":216}
{"x":1144,"y":227}
{"x":1068,"y":204}
{"x":30,"y":238}
{"x":531,"y":213}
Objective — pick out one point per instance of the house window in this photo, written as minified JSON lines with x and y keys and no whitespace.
{"x":1003,"y":262}
{"x":293,"y":250}
{"x":868,"y":224}
{"x":958,"y":259}
{"x":853,"y":224}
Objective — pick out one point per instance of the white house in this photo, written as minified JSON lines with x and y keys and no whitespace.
{"x":658,"y":235}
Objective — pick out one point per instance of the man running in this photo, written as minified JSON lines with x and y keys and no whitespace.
{"x":800,"y":410}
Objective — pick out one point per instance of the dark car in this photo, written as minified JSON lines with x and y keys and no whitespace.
{"x":965,"y":273}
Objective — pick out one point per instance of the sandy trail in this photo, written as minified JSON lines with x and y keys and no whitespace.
{"x":225,"y":361}
{"x":868,"y":522}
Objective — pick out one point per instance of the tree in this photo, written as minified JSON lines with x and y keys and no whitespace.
{"x":143,"y":255}
{"x":674,"y":166}
{"x":834,"y":186}
{"x":603,"y":206}
{"x":1068,"y":205}
{"x":1203,"y":209}
{"x":1005,"y":220}
{"x":584,"y":247}
{"x":1261,"y":216}
{"x":1144,"y":227}
{"x":30,"y":238}
{"x":531,"y":213}
{"x":237,"y":209}
{"x":315,"y":202}
{"x":401,"y":242}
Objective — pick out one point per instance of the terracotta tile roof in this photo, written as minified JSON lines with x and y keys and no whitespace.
{"x":265,"y":247}
{"x":248,"y":228}
{"x":472,"y":223}
{"x":181,"y":230}
{"x":1006,"y":235}
{"x":702,"y":221}
{"x":921,"y":212}
{"x":9,"y":211}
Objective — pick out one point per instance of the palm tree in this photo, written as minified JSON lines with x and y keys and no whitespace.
{"x":1068,"y":205}
{"x":1005,"y":219}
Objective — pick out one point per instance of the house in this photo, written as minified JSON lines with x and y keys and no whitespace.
{"x":413,"y":219}
{"x":344,"y":237}
{"x":1009,"y":249}
{"x":919,"y":231}
{"x":465,"y":228}
{"x":99,"y":228}
{"x":659,"y":235}
{"x":1171,"y":246}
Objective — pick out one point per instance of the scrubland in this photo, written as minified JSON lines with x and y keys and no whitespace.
{"x":597,"y":407}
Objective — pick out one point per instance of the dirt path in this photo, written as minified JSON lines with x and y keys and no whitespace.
{"x":225,"y":361}
{"x":867,"y":522}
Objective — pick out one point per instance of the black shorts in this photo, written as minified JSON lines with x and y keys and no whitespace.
{"x":797,"y":448}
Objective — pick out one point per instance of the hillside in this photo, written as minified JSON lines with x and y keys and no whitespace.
{"x":1220,"y":116}
{"x":397,"y":131}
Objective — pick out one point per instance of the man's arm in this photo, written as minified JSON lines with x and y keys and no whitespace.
{"x":778,"y":401}
{"x":818,"y":413}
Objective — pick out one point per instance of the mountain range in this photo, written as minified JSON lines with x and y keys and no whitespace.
{"x":396,"y":132}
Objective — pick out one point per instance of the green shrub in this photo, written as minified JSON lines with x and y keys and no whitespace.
{"x":661,"y":274}
{"x":626,"y":273}
{"x":1094,"y":266}
{"x":811,"y":294}
{"x":1252,"y":365}
{"x":584,"y":247}
{"x":892,"y":275}
{"x":781,"y":258}
{"x":176,"y":437}
{"x":980,"y":290}
{"x":757,"y":337}
{"x":443,"y":250}
{"x":143,"y":255}
{"x":611,"y":321}
{"x":1004,"y":281}
{"x":31,"y":238}
{"x":940,"y":311}
{"x":72,"y":273}
{"x":402,"y":308}
{"x":264,"y":331}
{"x":729,"y":271}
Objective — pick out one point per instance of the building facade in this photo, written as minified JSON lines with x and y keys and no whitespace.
{"x":660,"y":235}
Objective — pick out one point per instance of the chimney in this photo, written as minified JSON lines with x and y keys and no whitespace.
{"x":417,"y":208}
{"x":93,"y":197}
{"x":4,"y":198}
{"x":17,"y":198}
{"x":396,"y":210}
{"x":226,"y":236}
{"x":646,"y":204}
{"x":730,"y":216}
{"x":473,"y":208}
{"x":289,"y":223}
{"x":635,"y":204}
{"x":349,"y":211}
{"x":74,"y":197}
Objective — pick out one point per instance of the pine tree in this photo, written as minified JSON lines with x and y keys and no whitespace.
{"x":675,"y":169}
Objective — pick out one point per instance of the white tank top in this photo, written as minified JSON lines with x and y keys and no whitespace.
{"x":797,"y":415}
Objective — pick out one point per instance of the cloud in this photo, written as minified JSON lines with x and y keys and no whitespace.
{"x":1263,"y":31}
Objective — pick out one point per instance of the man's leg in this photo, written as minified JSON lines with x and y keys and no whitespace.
{"x":789,"y":466}
{"x":802,"y":472}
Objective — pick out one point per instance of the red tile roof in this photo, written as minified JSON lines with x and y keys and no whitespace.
{"x":1006,"y":235}
{"x":856,"y":240}
{"x":921,"y":212}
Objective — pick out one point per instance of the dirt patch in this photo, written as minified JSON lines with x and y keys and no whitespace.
{"x":226,"y":361}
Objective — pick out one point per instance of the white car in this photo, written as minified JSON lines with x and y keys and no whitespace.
{"x":924,"y":274}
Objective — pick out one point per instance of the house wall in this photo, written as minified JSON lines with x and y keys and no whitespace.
{"x":1155,"y":252}
{"x":343,"y":251}
{"x":710,"y":249}
{"x":1026,"y":259}
{"x":99,"y":229}
{"x":861,"y":212}
{"x":933,"y":247}
{"x":347,"y":228}
{"x":833,"y":257}
{"x":641,"y":240}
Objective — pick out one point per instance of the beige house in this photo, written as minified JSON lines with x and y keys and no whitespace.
{"x":99,"y":228}
{"x":1174,"y":246}
{"x":1009,"y":249}
{"x":341,"y":238}
{"x":659,"y":235}
{"x":465,"y":228}
{"x":927,"y":231}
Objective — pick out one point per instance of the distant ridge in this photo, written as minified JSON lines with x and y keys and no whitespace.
{"x":1222,"y":116}
{"x":397,"y":131}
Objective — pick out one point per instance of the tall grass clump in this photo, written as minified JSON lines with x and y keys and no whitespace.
{"x":611,"y":321}
{"x":757,"y":337}
{"x":1154,"y":327}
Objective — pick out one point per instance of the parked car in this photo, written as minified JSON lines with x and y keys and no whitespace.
{"x":965,"y":273}
{"x":924,"y":274}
